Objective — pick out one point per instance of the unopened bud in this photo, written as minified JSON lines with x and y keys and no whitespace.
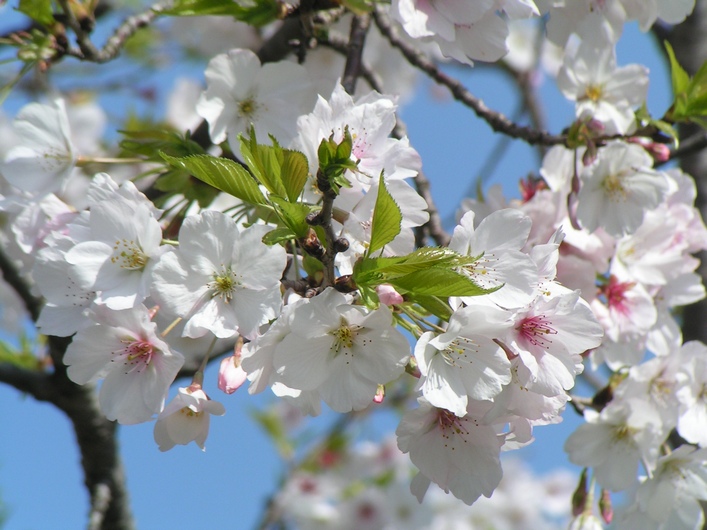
{"x":380,"y":394}
{"x":605,"y":508}
{"x":388,"y":295}
{"x":311,"y":244}
{"x":341,"y":244}
{"x":580,"y":495}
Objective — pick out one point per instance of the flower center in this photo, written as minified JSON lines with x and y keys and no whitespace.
{"x":615,"y":293}
{"x":458,"y":350}
{"x":137,"y":354}
{"x":614,"y":188}
{"x":248,"y":107}
{"x":536,"y":330}
{"x":128,"y":255}
{"x":344,"y":335}
{"x":224,"y":284}
{"x":189,"y":413}
{"x":450,"y":424}
{"x":593,"y":93}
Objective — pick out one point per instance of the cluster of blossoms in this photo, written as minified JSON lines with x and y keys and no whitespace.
{"x":311,"y":281}
{"x":366,"y":486}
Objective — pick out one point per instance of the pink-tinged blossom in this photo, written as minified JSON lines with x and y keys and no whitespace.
{"x":497,"y":242}
{"x":550,"y":337}
{"x":618,"y":189}
{"x":614,"y":441}
{"x":341,"y":351}
{"x":463,"y":362}
{"x":370,"y":120}
{"x":186,"y":419}
{"x":137,"y":366}
{"x":624,"y":309}
{"x":240,"y":92}
{"x":460,"y":455}
{"x":44,"y":155}
{"x":221,"y":279}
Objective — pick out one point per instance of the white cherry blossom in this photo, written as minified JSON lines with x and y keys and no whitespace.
{"x":240,"y":92}
{"x":221,"y":279}
{"x":186,"y":418}
{"x":44,"y":155}
{"x":340,"y":350}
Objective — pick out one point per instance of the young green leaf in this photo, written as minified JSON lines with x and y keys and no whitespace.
{"x":38,"y":10}
{"x":438,"y":281}
{"x":294,"y":172}
{"x":265,"y":162}
{"x":387,"y":219}
{"x":221,"y":173}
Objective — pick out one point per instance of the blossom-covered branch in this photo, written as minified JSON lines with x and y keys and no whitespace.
{"x":497,"y":121}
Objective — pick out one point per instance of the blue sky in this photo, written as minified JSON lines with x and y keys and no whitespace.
{"x":40,"y":477}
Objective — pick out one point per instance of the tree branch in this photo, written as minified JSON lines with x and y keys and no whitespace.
{"x":354,"y":57}
{"x":87,"y":51}
{"x":14,"y":280}
{"x":497,"y":121}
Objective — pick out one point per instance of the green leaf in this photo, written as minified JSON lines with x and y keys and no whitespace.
{"x":256,"y":13}
{"x":387,"y":219}
{"x":294,"y":173}
{"x":38,"y":10}
{"x":278,"y":235}
{"x":265,"y":162}
{"x":438,"y":281}
{"x":293,"y":215}
{"x":435,"y":305}
{"x":221,"y":173}
{"x":427,"y":271}
{"x":680,"y":78}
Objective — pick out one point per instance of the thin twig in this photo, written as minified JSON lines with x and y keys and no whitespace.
{"x":338,"y":44}
{"x":87,"y":51}
{"x":497,"y":121}
{"x":354,"y":57}
{"x":434,"y":226}
{"x":690,"y":146}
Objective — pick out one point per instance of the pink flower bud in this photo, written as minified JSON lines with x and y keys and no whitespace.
{"x":607,"y":512}
{"x":230,"y":374}
{"x":380,"y":394}
{"x":388,"y":295}
{"x":660,"y":152}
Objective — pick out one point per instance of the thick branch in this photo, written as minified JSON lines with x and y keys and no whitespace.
{"x":14,"y":280}
{"x":497,"y":121}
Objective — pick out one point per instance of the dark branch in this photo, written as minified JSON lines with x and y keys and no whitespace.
{"x":13,"y":278}
{"x":497,"y":121}
{"x":354,"y":57}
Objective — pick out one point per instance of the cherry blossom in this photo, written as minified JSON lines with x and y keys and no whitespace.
{"x":186,"y":418}
{"x":241,"y":92}
{"x":137,"y":366}
{"x":340,"y":350}
{"x":221,"y":278}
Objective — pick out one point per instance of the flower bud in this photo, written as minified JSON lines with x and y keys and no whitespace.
{"x":230,"y":374}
